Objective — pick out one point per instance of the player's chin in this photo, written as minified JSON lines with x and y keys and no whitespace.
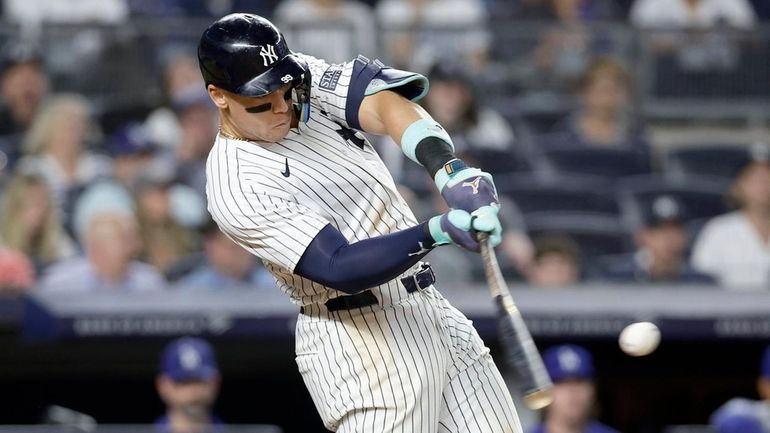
{"x":279,"y":132}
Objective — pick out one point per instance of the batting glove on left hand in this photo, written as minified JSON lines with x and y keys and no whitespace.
{"x":458,"y":227}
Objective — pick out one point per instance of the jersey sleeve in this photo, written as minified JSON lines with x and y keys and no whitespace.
{"x":269,"y":225}
{"x":339,"y":89}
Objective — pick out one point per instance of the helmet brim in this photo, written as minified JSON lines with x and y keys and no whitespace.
{"x":287,"y":70}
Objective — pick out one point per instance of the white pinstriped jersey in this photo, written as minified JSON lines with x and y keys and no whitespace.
{"x":411,"y":363}
{"x":334,"y":177}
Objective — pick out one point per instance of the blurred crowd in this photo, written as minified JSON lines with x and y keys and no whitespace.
{"x":105,"y":127}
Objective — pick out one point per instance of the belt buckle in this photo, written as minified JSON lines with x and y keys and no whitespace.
{"x":429,"y":268}
{"x":416,"y":276}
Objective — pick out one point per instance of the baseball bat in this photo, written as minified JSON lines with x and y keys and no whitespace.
{"x":520,"y":351}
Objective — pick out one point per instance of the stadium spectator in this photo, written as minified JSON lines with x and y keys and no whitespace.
{"x":572,"y":372}
{"x":556,"y":263}
{"x":16,"y":271}
{"x":33,"y":13}
{"x":334,"y":30}
{"x":735,"y":248}
{"x":680,"y":14}
{"x":742,"y":415}
{"x":418,"y":33}
{"x":133,"y":152}
{"x":180,"y":73}
{"x":226,"y":266}
{"x":603,"y":118}
{"x":188,"y":384}
{"x":55,"y":149}
{"x":164,"y":239}
{"x":198,"y":129}
{"x":30,"y":224}
{"x":23,"y":84}
{"x":198,"y":8}
{"x":662,"y":246}
{"x":111,"y":243}
{"x":455,"y":104}
{"x":565,"y":49}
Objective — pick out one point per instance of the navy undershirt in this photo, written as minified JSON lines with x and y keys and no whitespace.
{"x":330,"y":260}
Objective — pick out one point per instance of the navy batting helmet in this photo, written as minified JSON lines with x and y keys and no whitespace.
{"x":247,"y":55}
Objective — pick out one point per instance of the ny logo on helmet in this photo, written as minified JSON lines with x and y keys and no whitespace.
{"x":268,"y":55}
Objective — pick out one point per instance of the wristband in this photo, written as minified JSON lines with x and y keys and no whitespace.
{"x":417,"y":132}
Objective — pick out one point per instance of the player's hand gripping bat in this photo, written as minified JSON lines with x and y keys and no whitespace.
{"x":520,"y":350}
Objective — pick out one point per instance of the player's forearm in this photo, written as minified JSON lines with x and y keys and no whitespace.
{"x":330,"y":260}
{"x":388,"y":113}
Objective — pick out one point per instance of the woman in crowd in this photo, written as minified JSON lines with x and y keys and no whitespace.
{"x":603,"y":118}
{"x":55,"y":149}
{"x":29,"y":223}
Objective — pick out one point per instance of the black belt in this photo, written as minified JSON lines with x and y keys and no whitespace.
{"x":417,"y":281}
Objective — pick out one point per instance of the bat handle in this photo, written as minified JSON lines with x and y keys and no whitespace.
{"x":539,"y":399}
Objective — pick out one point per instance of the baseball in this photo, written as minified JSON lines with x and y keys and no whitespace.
{"x":639,"y":339}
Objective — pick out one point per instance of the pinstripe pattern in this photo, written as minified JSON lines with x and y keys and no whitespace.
{"x":411,"y":364}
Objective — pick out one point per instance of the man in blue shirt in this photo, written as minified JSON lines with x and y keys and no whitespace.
{"x":572,"y":371}
{"x":188,"y":383}
{"x":227,"y":266}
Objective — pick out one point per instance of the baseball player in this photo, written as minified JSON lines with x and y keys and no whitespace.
{"x":291,"y":179}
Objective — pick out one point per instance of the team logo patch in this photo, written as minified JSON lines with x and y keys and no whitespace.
{"x":268,"y":54}
{"x":330,"y":78}
{"x":474,"y":184}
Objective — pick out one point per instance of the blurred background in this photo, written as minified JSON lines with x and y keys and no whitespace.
{"x":628,"y":140}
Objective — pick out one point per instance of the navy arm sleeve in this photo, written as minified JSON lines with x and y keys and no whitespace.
{"x":330,"y":260}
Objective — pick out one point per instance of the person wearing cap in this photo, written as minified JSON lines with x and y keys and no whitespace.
{"x":662,"y":245}
{"x":572,"y":372}
{"x":23,"y":84}
{"x":188,"y":383}
{"x":735,"y":248}
{"x":741,"y":415}
{"x":197,"y":130}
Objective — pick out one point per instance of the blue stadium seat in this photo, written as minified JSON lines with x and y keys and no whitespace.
{"x":704,"y":160}
{"x":604,"y":162}
{"x":496,"y":161}
{"x":533,"y":193}
{"x":702,"y":197}
{"x":596,"y":234}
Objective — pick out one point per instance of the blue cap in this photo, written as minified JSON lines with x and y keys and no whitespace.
{"x":737,"y":416}
{"x":738,"y":423}
{"x":132,"y":139}
{"x":568,"y":361}
{"x":189,"y":358}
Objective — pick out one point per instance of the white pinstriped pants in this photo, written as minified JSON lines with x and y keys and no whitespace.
{"x":415,"y":365}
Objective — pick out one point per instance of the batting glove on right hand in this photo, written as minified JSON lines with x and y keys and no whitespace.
{"x":458,"y":227}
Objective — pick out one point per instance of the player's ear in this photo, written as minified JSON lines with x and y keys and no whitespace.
{"x":217,"y":96}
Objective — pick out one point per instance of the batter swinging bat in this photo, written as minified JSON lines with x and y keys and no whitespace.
{"x":520,"y":350}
